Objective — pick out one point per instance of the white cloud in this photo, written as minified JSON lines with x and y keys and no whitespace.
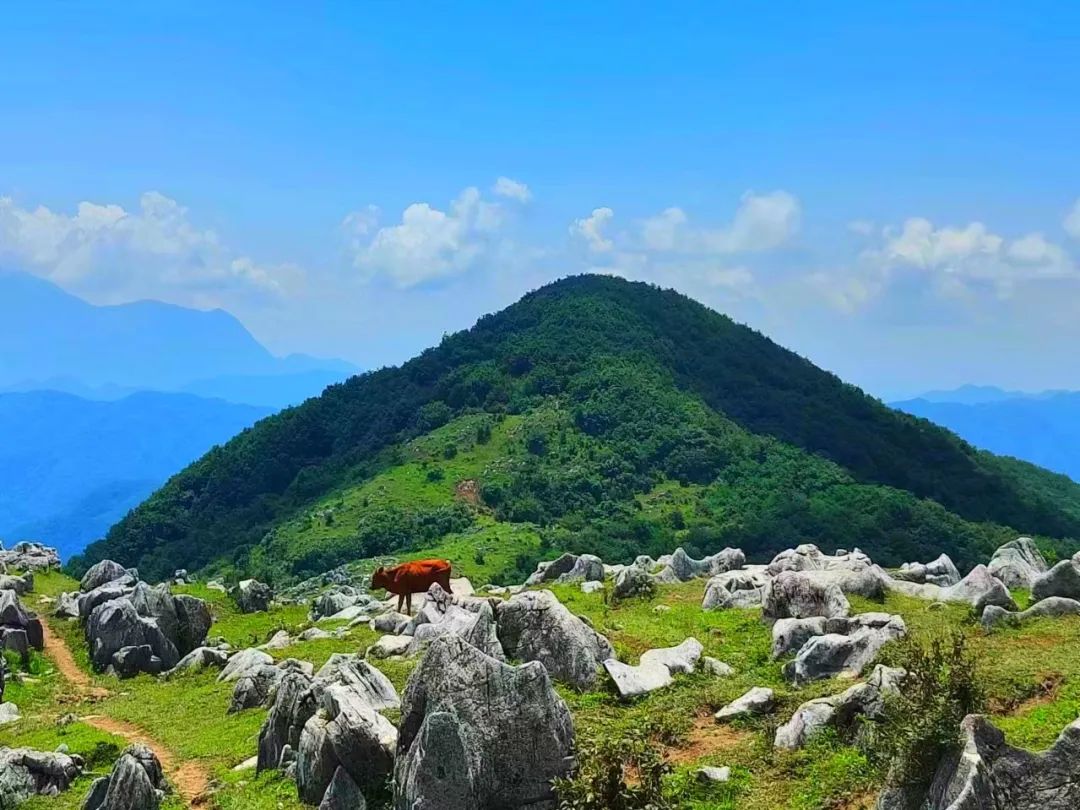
{"x":111,"y":255}
{"x":512,"y":190}
{"x":862,"y":227}
{"x":591,"y":230}
{"x":1072,"y":221}
{"x":762,"y":222}
{"x":428,"y":243}
{"x":953,"y":263}
{"x":920,"y":244}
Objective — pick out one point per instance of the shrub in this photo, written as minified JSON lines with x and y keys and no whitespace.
{"x":616,"y":773}
{"x":921,"y":723}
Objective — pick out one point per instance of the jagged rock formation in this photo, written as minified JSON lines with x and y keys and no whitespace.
{"x":568,"y":568}
{"x":535,"y":626}
{"x":941,"y":572}
{"x":252,"y":596}
{"x":848,"y":646}
{"x":986,"y":773}
{"x":655,"y":669}
{"x":478,"y":733}
{"x":1061,"y":580}
{"x":136,"y":783}
{"x":1018,"y":563}
{"x":759,"y":700}
{"x":20,"y":629}
{"x":791,"y":594}
{"x":1050,"y":606}
{"x":29,"y":557}
{"x":25,"y":773}
{"x":977,"y":589}
{"x":843,"y":712}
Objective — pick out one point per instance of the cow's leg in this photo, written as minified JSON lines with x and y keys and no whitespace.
{"x":400,"y":601}
{"x":408,"y":604}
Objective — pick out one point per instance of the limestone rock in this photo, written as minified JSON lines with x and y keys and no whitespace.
{"x":941,"y":572}
{"x":1061,"y":580}
{"x":759,"y":700}
{"x":478,"y":733}
{"x":1050,"y":606}
{"x":792,"y":595}
{"x":568,"y":568}
{"x":100,"y":573}
{"x":789,"y":635}
{"x":1018,"y":563}
{"x":252,"y":596}
{"x":535,"y":626}
{"x":242,"y":663}
{"x":25,"y":773}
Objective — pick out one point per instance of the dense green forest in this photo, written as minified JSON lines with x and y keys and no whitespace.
{"x":594,"y":414}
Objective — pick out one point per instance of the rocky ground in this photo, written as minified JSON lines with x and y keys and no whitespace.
{"x":752,"y":685}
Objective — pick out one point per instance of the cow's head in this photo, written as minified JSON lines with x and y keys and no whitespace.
{"x":380,"y":579}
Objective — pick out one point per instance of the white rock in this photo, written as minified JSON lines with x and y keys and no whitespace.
{"x":592,"y":586}
{"x":389,"y":646}
{"x":759,"y":700}
{"x":639,"y":680}
{"x":710,"y":774}
{"x":714,"y":666}
{"x":9,"y":713}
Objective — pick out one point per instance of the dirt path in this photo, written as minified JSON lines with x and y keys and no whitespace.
{"x":191,"y":779}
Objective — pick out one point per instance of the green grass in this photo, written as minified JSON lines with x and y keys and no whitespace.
{"x":1031,"y":675}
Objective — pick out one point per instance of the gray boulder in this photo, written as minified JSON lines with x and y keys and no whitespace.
{"x":734,"y":589}
{"x":986,"y":772}
{"x":684,"y":567}
{"x":115,"y":625}
{"x":127,"y":662}
{"x":252,"y":596}
{"x":788,"y":635}
{"x":342,"y":793}
{"x":1018,"y":563}
{"x":442,"y":615}
{"x":655,"y":669}
{"x":185,"y":620}
{"x":808,"y":557}
{"x":795,"y":596}
{"x":27,"y":556}
{"x":365,"y":683}
{"x":295,"y":702}
{"x":390,"y":622}
{"x":941,"y":572}
{"x":105,"y":571}
{"x":759,"y":700}
{"x":977,"y":589}
{"x":568,"y":568}
{"x":242,"y":663}
{"x":535,"y":626}
{"x":25,"y":773}
{"x":117,"y":589}
{"x":1050,"y":606}
{"x":843,"y":712}
{"x":478,"y":733}
{"x":255,"y":688}
{"x":1061,"y":580}
{"x":136,"y":783}
{"x":199,"y":659}
{"x":847,"y":647}
{"x":632,"y":581}
{"x":20,"y":584}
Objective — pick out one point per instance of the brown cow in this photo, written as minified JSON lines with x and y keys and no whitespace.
{"x":412,"y":577}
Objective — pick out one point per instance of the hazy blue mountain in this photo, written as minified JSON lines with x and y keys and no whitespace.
{"x":51,"y":340}
{"x":1041,"y":428}
{"x":70,"y":467}
{"x":982,"y":394}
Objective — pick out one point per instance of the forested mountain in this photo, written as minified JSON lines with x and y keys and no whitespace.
{"x":597,"y":414}
{"x":1043,"y":429}
{"x":70,"y":467}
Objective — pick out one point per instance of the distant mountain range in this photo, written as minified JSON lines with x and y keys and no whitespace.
{"x":1043,"y":428}
{"x":52,"y":340}
{"x":70,"y":467}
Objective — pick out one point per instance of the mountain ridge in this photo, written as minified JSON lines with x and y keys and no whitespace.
{"x":740,"y":411}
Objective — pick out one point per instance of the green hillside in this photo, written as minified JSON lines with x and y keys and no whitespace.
{"x":594,"y":414}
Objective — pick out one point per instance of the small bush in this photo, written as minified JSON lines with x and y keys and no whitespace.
{"x":922,"y":722}
{"x":616,"y":773}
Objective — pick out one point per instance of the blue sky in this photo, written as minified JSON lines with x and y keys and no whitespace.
{"x":886,"y":188}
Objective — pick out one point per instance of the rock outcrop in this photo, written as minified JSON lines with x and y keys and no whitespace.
{"x":252,"y":596}
{"x":136,"y":783}
{"x":20,"y":629}
{"x":759,"y":700}
{"x":1018,"y":563}
{"x":568,"y":568}
{"x":941,"y":572}
{"x":535,"y":626}
{"x":655,"y":669}
{"x":986,"y":772}
{"x":1051,"y":606}
{"x":25,"y":773}
{"x":843,"y":712}
{"x":791,"y":595}
{"x":478,"y":733}
{"x":848,"y":647}
{"x":1061,"y":580}
{"x":29,"y":557}
{"x":977,"y":589}
{"x":740,"y":588}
